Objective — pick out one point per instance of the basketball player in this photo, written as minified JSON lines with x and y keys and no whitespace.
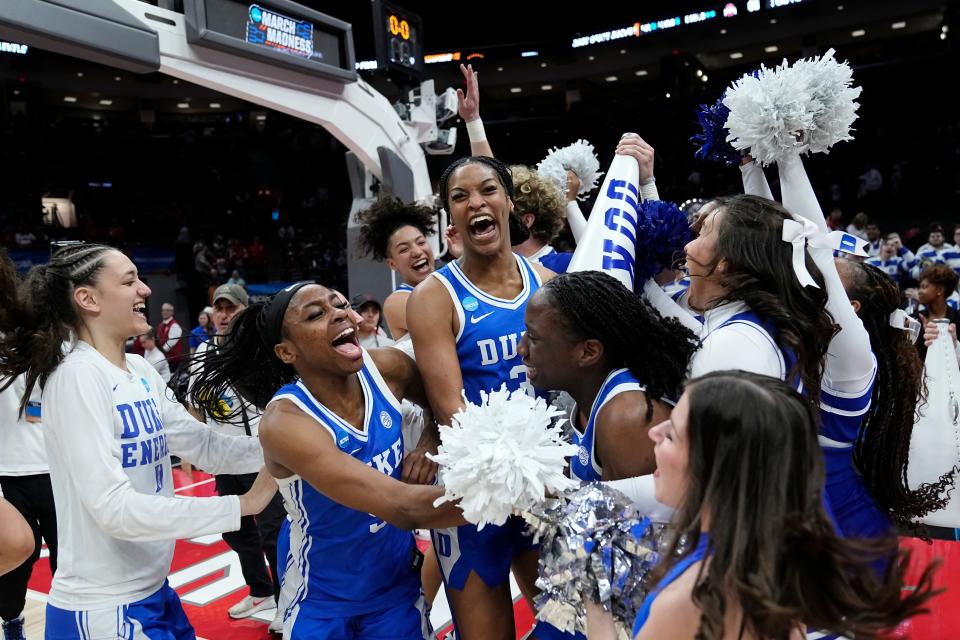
{"x":396,"y":233}
{"x":466,"y":323}
{"x":331,"y":435}
{"x":110,"y":425}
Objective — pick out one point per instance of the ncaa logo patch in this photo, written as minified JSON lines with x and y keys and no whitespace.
{"x":583,"y":455}
{"x":146,"y":385}
{"x":470,"y":303}
{"x":386,"y":420}
{"x":343,"y":441}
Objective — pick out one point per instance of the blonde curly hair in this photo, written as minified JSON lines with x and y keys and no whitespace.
{"x":534,"y":194}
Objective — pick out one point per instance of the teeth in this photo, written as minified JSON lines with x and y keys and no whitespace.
{"x":344,"y":333}
{"x":481,"y":219}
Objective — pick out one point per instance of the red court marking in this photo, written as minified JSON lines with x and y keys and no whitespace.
{"x":212,"y":620}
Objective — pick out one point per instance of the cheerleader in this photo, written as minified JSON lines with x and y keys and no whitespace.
{"x":755,"y":555}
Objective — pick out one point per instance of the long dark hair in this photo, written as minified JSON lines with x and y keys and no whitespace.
{"x":760,"y":273}
{"x":595,"y":305}
{"x":37,"y":313}
{"x":243,"y":362}
{"x":755,"y":477}
{"x":882,"y":449}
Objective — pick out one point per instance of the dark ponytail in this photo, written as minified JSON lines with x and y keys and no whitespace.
{"x":883,"y":445}
{"x":37,"y":314}
{"x":244,"y":363}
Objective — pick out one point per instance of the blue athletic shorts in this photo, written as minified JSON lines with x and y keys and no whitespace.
{"x":157,"y":617}
{"x":406,"y":621}
{"x":488,"y":551}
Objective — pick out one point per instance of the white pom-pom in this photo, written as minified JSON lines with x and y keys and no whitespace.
{"x":504,"y":454}
{"x":832,"y":100}
{"x":806,"y":107}
{"x":578,"y":157}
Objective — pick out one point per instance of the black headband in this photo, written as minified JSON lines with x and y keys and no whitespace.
{"x":270,"y":320}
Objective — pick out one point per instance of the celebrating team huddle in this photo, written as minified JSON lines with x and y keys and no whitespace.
{"x":744,"y":417}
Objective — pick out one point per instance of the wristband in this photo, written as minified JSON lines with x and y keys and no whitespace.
{"x":475,"y":130}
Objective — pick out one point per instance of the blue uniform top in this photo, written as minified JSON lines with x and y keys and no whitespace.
{"x":350,"y":562}
{"x":403,"y":286}
{"x":841,"y":416}
{"x":555,"y":261}
{"x":585,"y":465}
{"x":490,"y":330}
{"x":675,"y":572}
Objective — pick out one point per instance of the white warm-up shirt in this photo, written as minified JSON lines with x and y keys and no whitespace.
{"x":21,"y":442}
{"x":109,"y":434}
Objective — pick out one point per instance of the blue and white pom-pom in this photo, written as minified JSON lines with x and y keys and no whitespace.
{"x":712,"y":141}
{"x":803,"y":108}
{"x":663,"y":229}
{"x":578,"y":157}
{"x":502,"y":455}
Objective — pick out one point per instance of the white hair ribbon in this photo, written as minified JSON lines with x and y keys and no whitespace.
{"x":798,"y":233}
{"x":900,"y":320}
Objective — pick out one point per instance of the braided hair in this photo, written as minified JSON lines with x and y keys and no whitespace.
{"x":595,"y":305}
{"x":882,"y":450}
{"x":384,"y":217}
{"x":242,"y":364}
{"x":37,"y":314}
{"x":503,"y":174}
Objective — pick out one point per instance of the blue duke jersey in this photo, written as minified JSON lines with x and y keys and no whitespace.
{"x":403,"y":286}
{"x":585,"y":465}
{"x":109,"y":433}
{"x":490,"y":330}
{"x":346,"y":562}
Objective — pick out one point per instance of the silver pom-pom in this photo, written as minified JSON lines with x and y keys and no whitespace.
{"x":806,"y":107}
{"x":595,"y":545}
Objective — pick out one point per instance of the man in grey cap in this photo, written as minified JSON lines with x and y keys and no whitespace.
{"x":257,"y":535}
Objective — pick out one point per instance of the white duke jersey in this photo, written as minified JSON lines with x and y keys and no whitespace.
{"x":109,"y":435}
{"x":346,"y":562}
{"x":490,"y":330}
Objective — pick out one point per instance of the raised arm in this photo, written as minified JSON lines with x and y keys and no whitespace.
{"x":468,"y":106}
{"x":850,"y":364}
{"x":294,"y":442}
{"x":633,"y":145}
{"x":754,"y":181}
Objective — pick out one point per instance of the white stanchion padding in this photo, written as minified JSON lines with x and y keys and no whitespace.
{"x":935,"y":444}
{"x":610,"y":241}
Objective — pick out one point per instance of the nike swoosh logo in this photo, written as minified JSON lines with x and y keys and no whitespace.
{"x":355,"y":450}
{"x":476,"y":319}
{"x":115,"y":387}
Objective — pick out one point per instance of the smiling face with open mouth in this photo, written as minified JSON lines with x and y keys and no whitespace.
{"x":121,"y":297}
{"x":320,"y":332}
{"x":479,"y":207}
{"x":410,"y":255}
